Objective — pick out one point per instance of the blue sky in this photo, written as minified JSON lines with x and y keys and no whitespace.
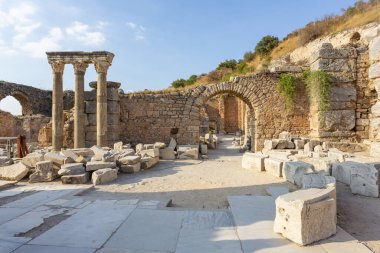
{"x":154,"y":41}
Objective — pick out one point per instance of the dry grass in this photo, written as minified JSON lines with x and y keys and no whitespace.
{"x":358,"y":15}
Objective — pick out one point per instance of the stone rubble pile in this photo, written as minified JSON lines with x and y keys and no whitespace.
{"x":98,"y":164}
{"x":299,"y":160}
{"x":314,"y":168}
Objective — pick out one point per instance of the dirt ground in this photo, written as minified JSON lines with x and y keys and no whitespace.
{"x":206,"y":185}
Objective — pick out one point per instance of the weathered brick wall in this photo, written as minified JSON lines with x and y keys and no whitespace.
{"x":231,"y":117}
{"x":11,"y":126}
{"x":366,"y":95}
{"x":148,"y":118}
{"x":212,"y":110}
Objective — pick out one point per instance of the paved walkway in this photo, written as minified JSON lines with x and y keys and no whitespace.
{"x":62,"y":218}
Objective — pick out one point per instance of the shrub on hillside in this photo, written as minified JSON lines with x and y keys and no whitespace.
{"x":179,"y":83}
{"x":266,"y":45}
{"x":229,"y":64}
{"x":249,"y":56}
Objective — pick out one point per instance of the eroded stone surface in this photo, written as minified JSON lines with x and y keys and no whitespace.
{"x":274,"y":166}
{"x":298,"y":215}
{"x":293,"y":171}
{"x":92,"y":166}
{"x":102,"y":176}
{"x":14,"y":172}
{"x":253,"y":161}
{"x":45,"y":172}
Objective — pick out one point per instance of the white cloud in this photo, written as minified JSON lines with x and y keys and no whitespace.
{"x":24,"y":33}
{"x":139,"y":30}
{"x":50,"y":42}
{"x":82,"y":32}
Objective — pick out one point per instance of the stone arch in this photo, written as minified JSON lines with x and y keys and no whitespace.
{"x":23,"y":99}
{"x":266,"y":105}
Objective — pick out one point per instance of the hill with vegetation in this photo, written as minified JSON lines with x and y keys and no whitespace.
{"x":271,"y":48}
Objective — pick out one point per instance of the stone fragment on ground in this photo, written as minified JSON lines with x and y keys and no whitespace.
{"x":57,"y":158}
{"x":92,"y":166}
{"x":188,"y":152}
{"x":152,"y":152}
{"x":365,"y":180}
{"x":159,"y":145}
{"x":203,"y":148}
{"x":293,"y":171}
{"x":253,"y":161}
{"x":76,"y":179}
{"x":317,"y":180}
{"x":130,"y":168}
{"x":148,"y":162}
{"x":274,"y":166}
{"x":14,"y":172}
{"x":337,"y":154}
{"x":167,"y":154}
{"x":71,"y":169}
{"x":306,"y":216}
{"x":31,"y":159}
{"x":45,"y":172}
{"x":342,"y":171}
{"x":129,"y":160}
{"x":102,"y":176}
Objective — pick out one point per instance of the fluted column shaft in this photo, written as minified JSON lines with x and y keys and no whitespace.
{"x":79,"y":116}
{"x":57,"y":106}
{"x":101,"y":103}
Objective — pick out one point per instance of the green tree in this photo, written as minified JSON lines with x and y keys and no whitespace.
{"x":229,"y":64}
{"x":266,"y":45}
{"x":179,"y":83}
{"x":248,"y":56}
{"x":192,"y":79}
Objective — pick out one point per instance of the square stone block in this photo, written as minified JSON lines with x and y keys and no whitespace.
{"x":342,"y":171}
{"x":274,"y":166}
{"x":294,"y":171}
{"x":167,"y":154}
{"x":365,"y":180}
{"x":253,"y":161}
{"x":306,"y":216}
{"x":132,"y":168}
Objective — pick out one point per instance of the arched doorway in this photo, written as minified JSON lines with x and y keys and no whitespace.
{"x":11,"y":102}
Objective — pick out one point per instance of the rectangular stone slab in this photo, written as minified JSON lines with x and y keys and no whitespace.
{"x":274,"y":166}
{"x":253,"y":161}
{"x":89,"y":228}
{"x":148,"y":229}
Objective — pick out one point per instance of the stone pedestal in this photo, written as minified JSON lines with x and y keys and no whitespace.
{"x":113,"y":114}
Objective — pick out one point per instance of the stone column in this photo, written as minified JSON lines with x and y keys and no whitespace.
{"x":79,"y":126}
{"x":57,"y":105}
{"x":101,"y":103}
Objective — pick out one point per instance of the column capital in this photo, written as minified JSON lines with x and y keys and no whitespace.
{"x":80,"y":67}
{"x":101,"y":66}
{"x":57,"y":66}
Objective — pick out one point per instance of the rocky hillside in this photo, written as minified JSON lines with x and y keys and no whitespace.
{"x":354,"y":24}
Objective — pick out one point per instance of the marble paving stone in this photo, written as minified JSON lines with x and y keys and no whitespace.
{"x":45,"y":195}
{"x":7,"y":247}
{"x":51,"y":249}
{"x":70,"y":203}
{"x":276,"y":191}
{"x":198,"y":220}
{"x":110,"y":250}
{"x":216,"y":241}
{"x":127,"y":202}
{"x":26,"y":222}
{"x":16,"y":190}
{"x":7,"y":214}
{"x":343,"y":242}
{"x":149,"y":204}
{"x":257,"y":211}
{"x":90,"y":227}
{"x":147,"y":229}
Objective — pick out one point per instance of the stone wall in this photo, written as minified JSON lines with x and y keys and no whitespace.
{"x":148,"y":118}
{"x":231,"y":114}
{"x":11,"y":126}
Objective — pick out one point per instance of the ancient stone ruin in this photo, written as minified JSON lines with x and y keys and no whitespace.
{"x":97,"y":135}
